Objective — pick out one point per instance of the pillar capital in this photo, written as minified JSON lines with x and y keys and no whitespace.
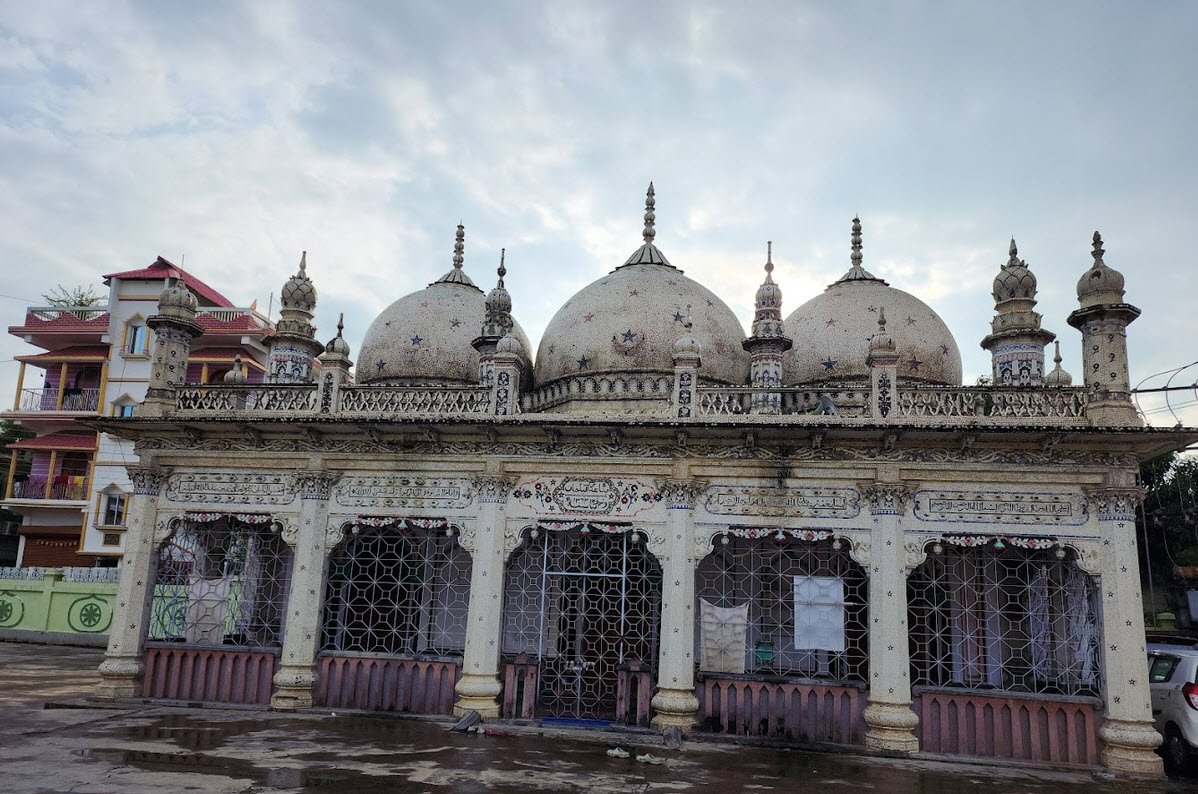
{"x":681,"y":494}
{"x":316,"y":485}
{"x":886,"y":498}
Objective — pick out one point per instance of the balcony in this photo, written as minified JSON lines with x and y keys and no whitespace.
{"x":62,"y":488}
{"x":53,"y":399}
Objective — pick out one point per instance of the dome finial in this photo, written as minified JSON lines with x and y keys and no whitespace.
{"x":650,"y":232}
{"x":502,"y":270}
{"x":1098,"y":251}
{"x":1013,"y":254}
{"x":303,"y":262}
{"x":881,"y":319}
{"x":340,"y":323}
{"x":856,"y":257}
{"x":1056,"y":357}
{"x":769,"y":261}
{"x":459,"y":245}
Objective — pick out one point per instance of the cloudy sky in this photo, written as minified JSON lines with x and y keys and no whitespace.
{"x":236,"y":134}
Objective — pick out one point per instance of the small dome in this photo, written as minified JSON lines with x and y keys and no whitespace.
{"x":337,"y":345}
{"x":177,"y":298}
{"x":426,"y":337}
{"x":1014,"y":280}
{"x":832,"y":332}
{"x":299,"y":292}
{"x":1100,"y":284}
{"x":510,"y":344}
{"x":236,"y":376}
{"x":1058,"y":378}
{"x":687,"y":345}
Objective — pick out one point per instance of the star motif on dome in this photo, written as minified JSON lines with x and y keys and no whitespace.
{"x":672,"y":283}
{"x":584,"y":363}
{"x":831,"y":322}
{"x":873,"y":309}
{"x":587,"y":318}
{"x":416,"y":340}
{"x":382,"y":364}
{"x":944,"y":349}
{"x":629,"y":335}
{"x":634,"y":292}
{"x":678,"y":317}
{"x":455,"y":322}
{"x":710,"y":302}
{"x":424,"y":304}
{"x":910,"y":320}
{"x":913,"y":364}
{"x":829,"y":363}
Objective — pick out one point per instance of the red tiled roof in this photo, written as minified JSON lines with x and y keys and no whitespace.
{"x":241,"y":322}
{"x":164,"y":269}
{"x":222,"y":354}
{"x":65,"y":321}
{"x":57,"y":441}
{"x":78,"y":353}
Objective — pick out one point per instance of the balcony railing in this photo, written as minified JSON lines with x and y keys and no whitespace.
{"x":52,"y":313}
{"x":739,"y":400}
{"x":67,"y":487}
{"x":47,"y":399}
{"x":990,"y":402}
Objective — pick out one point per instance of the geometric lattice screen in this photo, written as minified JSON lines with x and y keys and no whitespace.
{"x":585,"y":603}
{"x":1008,"y":619}
{"x":397,"y":591}
{"x":221,"y":582}
{"x":788,"y":607}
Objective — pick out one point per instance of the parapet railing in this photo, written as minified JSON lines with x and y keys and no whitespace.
{"x":935,"y":404}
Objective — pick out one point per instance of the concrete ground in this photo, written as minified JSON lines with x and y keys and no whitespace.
{"x":47,"y":747}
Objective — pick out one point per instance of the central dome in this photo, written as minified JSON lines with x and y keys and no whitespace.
{"x":629,"y":320}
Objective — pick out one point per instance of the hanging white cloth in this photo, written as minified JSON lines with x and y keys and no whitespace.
{"x":819,"y":613}
{"x":1038,"y":623}
{"x":1083,"y":624}
{"x":723,"y":643}
{"x":207,"y":607}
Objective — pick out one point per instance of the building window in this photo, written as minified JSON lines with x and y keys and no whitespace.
{"x":111,"y":539}
{"x":126,"y":409}
{"x":137,"y":339}
{"x":112,"y":509}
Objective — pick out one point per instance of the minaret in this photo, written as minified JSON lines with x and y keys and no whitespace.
{"x":497,"y":323}
{"x":883,"y":359}
{"x":335,"y":364}
{"x":768,"y":342}
{"x":293,"y":345}
{"x":174,"y":328}
{"x":1016,"y":340}
{"x":1103,"y":317}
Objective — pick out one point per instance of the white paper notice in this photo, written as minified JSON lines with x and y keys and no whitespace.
{"x":819,"y":613}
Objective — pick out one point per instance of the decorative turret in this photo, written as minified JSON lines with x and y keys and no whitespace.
{"x":507,"y":364}
{"x":883,"y":360}
{"x":1016,"y":341}
{"x":497,"y":323}
{"x":174,"y":327}
{"x":687,"y":360}
{"x":335,"y":364}
{"x":1103,"y":317}
{"x":293,"y":345}
{"x":768,"y":342}
{"x":1058,"y":378}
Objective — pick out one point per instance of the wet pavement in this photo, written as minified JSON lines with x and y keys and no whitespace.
{"x":47,"y":747}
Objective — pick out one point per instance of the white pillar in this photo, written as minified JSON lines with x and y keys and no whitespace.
{"x":479,"y":687}
{"x":674,"y":704}
{"x":297,"y":668}
{"x":890,"y":722}
{"x":123,"y":665}
{"x":1127,"y":731}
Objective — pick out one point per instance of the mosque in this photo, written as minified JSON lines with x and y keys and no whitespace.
{"x":813,"y":534}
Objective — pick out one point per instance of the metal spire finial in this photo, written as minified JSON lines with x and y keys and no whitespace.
{"x":769,"y":261}
{"x":856,"y":258}
{"x":650,"y":232}
{"x":1057,"y":355}
{"x":303,"y":262}
{"x":881,"y":319}
{"x":687,"y":324}
{"x":1013,"y":254}
{"x":502,"y":270}
{"x":1098,"y":250}
{"x":340,"y":323}
{"x":459,"y":246}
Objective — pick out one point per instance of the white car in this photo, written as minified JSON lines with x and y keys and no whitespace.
{"x":1173,"y":679}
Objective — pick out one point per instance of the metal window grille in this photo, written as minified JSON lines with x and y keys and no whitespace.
{"x":586,"y":604}
{"x":397,"y":591}
{"x":782,"y":607}
{"x":221,"y":582}
{"x":1005,"y":619}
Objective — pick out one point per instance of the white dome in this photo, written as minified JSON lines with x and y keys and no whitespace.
{"x":629,"y":320}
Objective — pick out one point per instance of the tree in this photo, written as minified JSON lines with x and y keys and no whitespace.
{"x":1168,"y":525}
{"x":72,"y":296}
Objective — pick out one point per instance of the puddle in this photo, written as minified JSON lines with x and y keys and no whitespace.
{"x":313,"y":779}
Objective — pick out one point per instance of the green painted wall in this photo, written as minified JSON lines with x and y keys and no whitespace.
{"x":52,"y":605}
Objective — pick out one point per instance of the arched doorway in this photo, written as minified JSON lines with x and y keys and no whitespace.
{"x":582,"y":613}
